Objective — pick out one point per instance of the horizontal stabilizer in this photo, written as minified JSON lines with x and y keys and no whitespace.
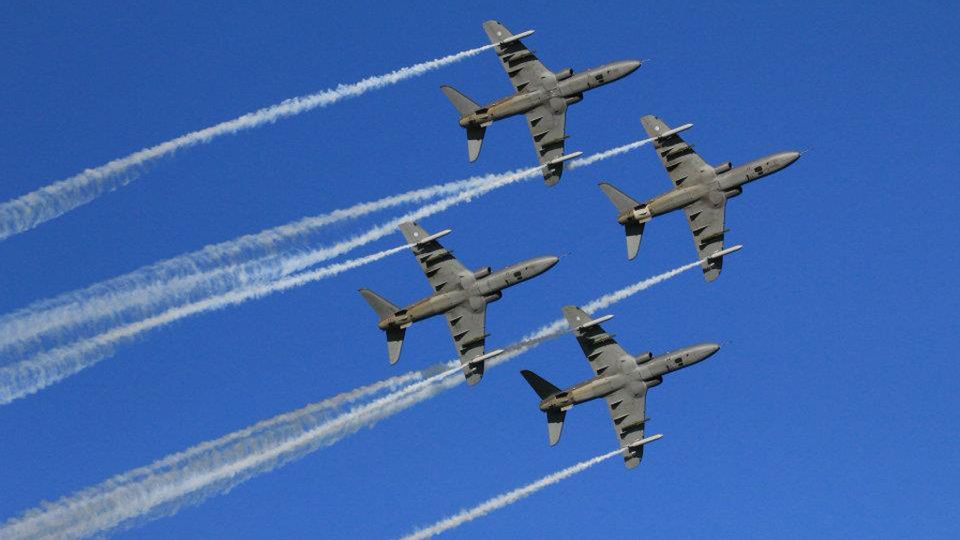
{"x":395,"y":342}
{"x":475,"y":141}
{"x":384,"y":308}
{"x":464,"y":105}
{"x":555,"y":424}
{"x":634,"y":232}
{"x":623,"y":203}
{"x":541,"y":386}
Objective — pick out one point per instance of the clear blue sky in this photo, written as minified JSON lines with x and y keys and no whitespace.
{"x":830,"y":412}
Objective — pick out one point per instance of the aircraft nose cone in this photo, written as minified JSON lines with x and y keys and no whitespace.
{"x":702,"y":352}
{"x":630,"y":66}
{"x":790,"y":157}
{"x":546,"y":263}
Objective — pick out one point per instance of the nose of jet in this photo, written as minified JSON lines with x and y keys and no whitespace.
{"x":628,"y":66}
{"x":543,"y":264}
{"x":790,"y":157}
{"x":703,"y":351}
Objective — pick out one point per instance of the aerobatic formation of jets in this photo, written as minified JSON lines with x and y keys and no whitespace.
{"x":462,"y":295}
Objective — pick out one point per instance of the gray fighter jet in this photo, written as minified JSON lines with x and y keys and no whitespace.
{"x":461,"y":295}
{"x":542,"y":96}
{"x":700,"y":190}
{"x":621,"y":379}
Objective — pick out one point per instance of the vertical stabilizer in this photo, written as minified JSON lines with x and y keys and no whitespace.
{"x":466,"y":106}
{"x":626,"y":205}
{"x":545,"y":389}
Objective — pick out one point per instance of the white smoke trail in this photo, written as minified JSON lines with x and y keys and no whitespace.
{"x":30,"y":376}
{"x":56,"y":199}
{"x":188,"y":477}
{"x":215,"y":467}
{"x":188,"y":278}
{"x":214,"y":268}
{"x":507,"y":499}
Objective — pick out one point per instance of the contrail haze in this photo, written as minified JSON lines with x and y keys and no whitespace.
{"x":507,"y":499}
{"x":213,"y":467}
{"x":146,"y":293}
{"x":219,"y":266}
{"x":30,"y":376}
{"x":54,"y":200}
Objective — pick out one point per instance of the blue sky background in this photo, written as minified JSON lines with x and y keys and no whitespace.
{"x":831,"y":410}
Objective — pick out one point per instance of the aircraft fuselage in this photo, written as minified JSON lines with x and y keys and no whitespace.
{"x":557,"y":90}
{"x":644,"y":370}
{"x":723,"y":181}
{"x":476,"y":288}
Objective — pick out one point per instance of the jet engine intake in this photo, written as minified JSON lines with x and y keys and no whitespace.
{"x":644,"y":358}
{"x":493,"y":297}
{"x":723,"y":167}
{"x":564,"y":74}
{"x":482,"y":272}
{"x":576,"y":98}
{"x":731,"y":193}
{"x":654,"y":382}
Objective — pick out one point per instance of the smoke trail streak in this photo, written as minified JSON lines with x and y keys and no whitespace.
{"x":30,"y":376}
{"x":310,"y":258}
{"x":190,"y":477}
{"x":212,"y":268}
{"x":144,"y":292}
{"x":56,"y":199}
{"x":507,"y":499}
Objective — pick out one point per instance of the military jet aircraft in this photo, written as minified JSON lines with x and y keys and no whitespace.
{"x":542,"y":96}
{"x":700,"y":190}
{"x":461,"y":295}
{"x":621,"y":379}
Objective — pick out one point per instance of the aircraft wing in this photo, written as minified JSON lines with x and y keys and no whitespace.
{"x":547,"y":126}
{"x":467,"y":326}
{"x":442,"y":269}
{"x":602,"y":351}
{"x":522,"y":66}
{"x":705,"y":218}
{"x":628,"y":411}
{"x":677,"y":156}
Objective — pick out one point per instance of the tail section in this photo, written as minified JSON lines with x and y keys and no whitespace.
{"x":541,"y":386}
{"x":385,"y":309}
{"x":395,"y":343}
{"x":545,"y":389}
{"x":466,"y":106}
{"x":626,"y":205}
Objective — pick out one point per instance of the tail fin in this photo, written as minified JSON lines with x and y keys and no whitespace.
{"x":384,"y":310}
{"x":381,"y":305}
{"x":466,"y":106}
{"x":395,"y":343}
{"x":545,"y":389}
{"x":621,"y":200}
{"x":625,"y":204}
{"x":541,"y":386}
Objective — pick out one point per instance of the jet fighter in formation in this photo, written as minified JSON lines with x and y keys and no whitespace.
{"x":459,"y":294}
{"x":700,"y":190}
{"x":622,"y":380}
{"x":462,"y":296}
{"x":541,"y":95}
